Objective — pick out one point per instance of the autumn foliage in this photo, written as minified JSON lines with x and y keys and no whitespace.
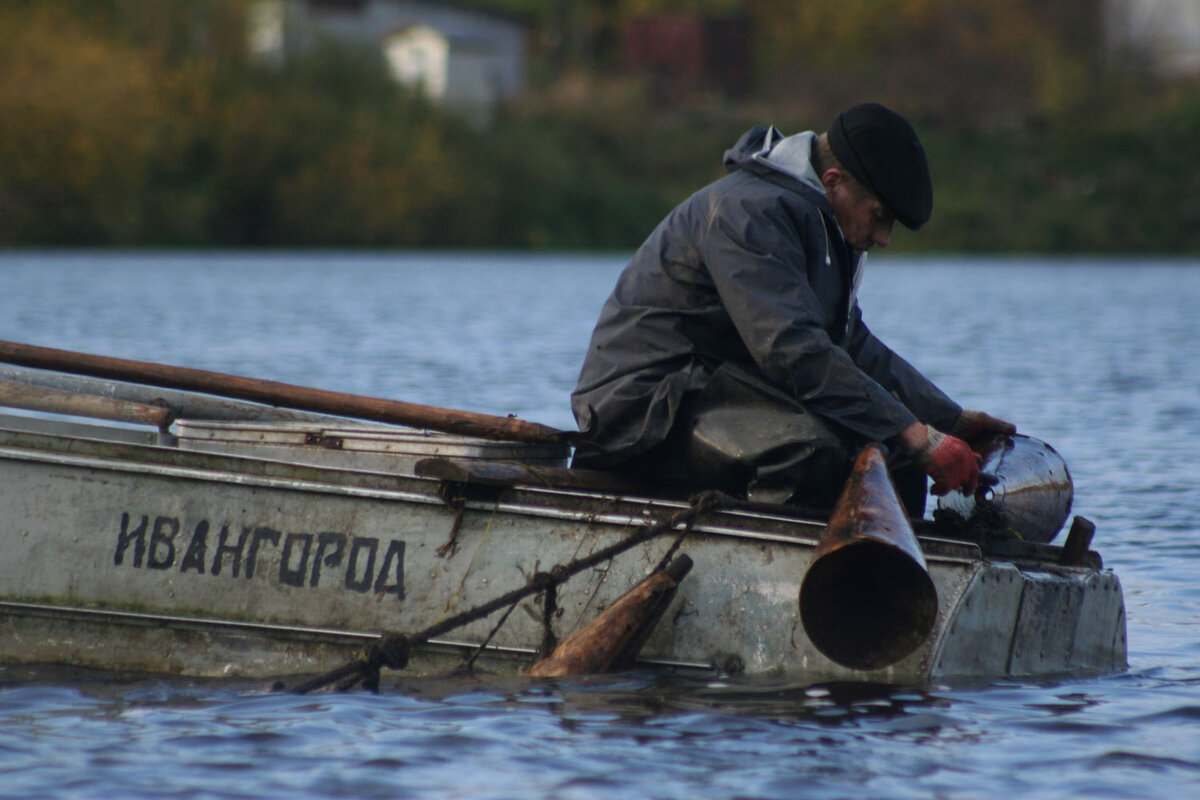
{"x":146,"y":122}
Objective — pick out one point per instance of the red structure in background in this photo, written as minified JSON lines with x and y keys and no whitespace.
{"x":689,"y":52}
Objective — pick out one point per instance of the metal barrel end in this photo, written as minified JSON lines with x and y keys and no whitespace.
{"x":1026,"y":488}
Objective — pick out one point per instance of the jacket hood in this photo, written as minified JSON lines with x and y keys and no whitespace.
{"x":786,"y":160}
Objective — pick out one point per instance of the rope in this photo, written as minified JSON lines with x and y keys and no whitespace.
{"x":491,"y":634}
{"x":549,"y":606}
{"x":392,"y":650}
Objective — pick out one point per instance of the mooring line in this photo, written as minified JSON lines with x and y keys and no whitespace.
{"x":392,"y":649}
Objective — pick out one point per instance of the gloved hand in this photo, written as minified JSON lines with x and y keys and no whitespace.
{"x":975,"y":426}
{"x":949,"y":461}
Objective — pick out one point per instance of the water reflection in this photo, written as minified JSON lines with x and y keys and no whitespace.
{"x":696,"y":735}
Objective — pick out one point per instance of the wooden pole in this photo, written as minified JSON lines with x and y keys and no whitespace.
{"x":284,"y":395}
{"x":182,"y":405}
{"x":1079,"y":539}
{"x":56,"y":401}
{"x":611,"y":641}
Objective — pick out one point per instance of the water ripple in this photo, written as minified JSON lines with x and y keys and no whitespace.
{"x":1117,"y":393}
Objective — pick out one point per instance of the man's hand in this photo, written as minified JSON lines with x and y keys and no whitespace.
{"x":947,"y":459}
{"x":975,"y":426}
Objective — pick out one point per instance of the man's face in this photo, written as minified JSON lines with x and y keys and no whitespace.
{"x":864,"y":220}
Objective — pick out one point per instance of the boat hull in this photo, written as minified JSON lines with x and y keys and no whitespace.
{"x":130,"y":552}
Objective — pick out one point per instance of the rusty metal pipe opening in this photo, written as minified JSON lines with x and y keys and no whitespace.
{"x":867,"y":605}
{"x":867,"y":600}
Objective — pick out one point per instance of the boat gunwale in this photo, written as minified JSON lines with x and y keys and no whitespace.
{"x":936,"y":549}
{"x":527,"y":499}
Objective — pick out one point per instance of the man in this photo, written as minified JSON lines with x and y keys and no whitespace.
{"x":732,"y":353}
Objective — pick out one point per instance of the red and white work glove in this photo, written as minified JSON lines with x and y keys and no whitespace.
{"x":975,"y":427}
{"x":949,"y":461}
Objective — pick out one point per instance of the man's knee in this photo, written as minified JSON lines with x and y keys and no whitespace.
{"x":747,"y":438}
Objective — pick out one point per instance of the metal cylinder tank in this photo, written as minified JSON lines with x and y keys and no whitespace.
{"x":1024,"y":483}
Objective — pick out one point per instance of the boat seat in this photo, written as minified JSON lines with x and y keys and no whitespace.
{"x":512,"y":473}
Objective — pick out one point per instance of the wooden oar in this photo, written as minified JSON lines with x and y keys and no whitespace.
{"x":45,"y":384}
{"x":57,"y":401}
{"x":284,"y":395}
{"x":611,"y":641}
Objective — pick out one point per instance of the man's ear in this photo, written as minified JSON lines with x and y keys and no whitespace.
{"x":831,"y":178}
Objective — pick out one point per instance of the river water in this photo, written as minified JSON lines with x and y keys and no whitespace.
{"x":1098,"y":357}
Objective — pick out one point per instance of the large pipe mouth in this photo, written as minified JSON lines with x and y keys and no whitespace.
{"x":867,"y":604}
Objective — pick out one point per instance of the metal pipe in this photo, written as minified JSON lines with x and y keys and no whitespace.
{"x":1024,"y":488}
{"x":867,"y":599}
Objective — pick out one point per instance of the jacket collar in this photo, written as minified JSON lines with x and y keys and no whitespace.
{"x":768,"y":154}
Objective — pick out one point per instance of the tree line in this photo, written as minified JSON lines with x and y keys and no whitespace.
{"x":146,"y":123}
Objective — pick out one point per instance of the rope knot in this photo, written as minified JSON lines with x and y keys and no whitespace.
{"x":545,"y":581}
{"x":390,"y":650}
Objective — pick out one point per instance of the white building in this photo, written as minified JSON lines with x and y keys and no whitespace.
{"x":1163,"y":34}
{"x":419,"y":56}
{"x":465,"y":59}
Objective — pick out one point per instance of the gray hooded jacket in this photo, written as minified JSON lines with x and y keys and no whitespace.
{"x":751,"y":270}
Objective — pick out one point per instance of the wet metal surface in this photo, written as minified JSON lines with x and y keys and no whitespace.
{"x":1024,"y":484}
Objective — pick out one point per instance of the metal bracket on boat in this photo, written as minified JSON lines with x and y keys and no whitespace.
{"x":322,"y":439}
{"x":479,"y":472}
{"x":1075,"y":551}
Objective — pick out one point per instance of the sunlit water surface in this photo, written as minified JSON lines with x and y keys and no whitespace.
{"x":1099,"y":358}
